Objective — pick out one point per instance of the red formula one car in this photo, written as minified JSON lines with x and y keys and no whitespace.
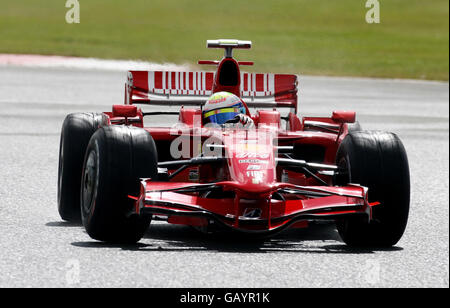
{"x":286,"y":172}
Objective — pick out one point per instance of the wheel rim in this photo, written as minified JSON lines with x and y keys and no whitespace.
{"x":344,"y":174}
{"x":60,"y":168}
{"x":90,"y":181}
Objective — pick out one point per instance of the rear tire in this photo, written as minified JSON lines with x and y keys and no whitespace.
{"x":378,"y":161}
{"x":116,"y":157}
{"x":76,"y":131}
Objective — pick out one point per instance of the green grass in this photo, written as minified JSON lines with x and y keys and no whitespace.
{"x":299,"y":36}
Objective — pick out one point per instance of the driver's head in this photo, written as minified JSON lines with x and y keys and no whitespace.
{"x":221,"y":107}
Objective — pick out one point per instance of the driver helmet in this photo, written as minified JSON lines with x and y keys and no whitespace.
{"x":222,"y":107}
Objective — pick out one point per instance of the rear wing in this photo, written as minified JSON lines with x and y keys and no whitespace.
{"x":172,"y":88}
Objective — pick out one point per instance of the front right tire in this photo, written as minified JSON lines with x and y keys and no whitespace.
{"x":116,"y":158}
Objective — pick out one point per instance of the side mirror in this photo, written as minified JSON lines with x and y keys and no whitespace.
{"x":126,"y":111}
{"x":344,"y":116}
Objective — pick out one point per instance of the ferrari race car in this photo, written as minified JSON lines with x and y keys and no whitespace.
{"x":288,"y":171}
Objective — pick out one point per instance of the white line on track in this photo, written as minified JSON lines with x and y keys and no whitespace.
{"x":42,"y":61}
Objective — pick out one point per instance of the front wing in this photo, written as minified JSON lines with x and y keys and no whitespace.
{"x":281,"y":206}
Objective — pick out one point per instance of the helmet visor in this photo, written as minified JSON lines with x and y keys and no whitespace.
{"x":221,"y":116}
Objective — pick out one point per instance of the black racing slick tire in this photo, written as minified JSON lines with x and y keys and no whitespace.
{"x":116,"y":158}
{"x":76,"y":132}
{"x":378,"y":161}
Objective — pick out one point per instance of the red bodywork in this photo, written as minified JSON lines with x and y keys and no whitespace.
{"x":253,"y":188}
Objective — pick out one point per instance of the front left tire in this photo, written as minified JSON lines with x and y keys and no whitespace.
{"x":376,"y":160}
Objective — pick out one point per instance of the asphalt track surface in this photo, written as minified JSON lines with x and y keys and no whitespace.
{"x":38,"y":249}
